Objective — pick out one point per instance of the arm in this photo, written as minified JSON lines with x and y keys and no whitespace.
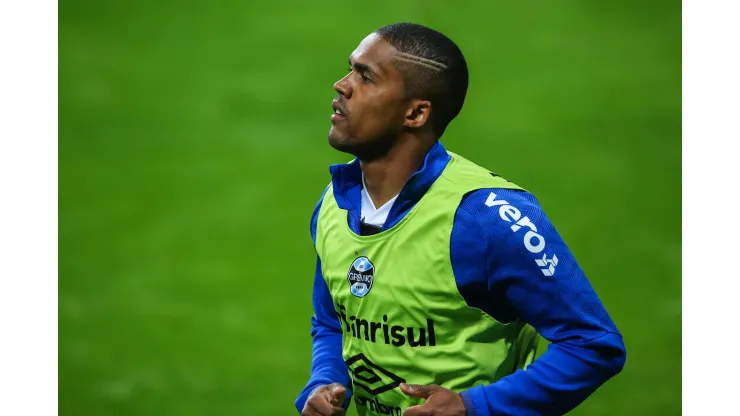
{"x":327,"y":364}
{"x":498,"y":253}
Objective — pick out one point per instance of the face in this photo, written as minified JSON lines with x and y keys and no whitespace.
{"x":371,"y":108}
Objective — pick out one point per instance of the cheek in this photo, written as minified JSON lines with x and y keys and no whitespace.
{"x":378,"y":114}
{"x":383,"y":113}
{"x":376,"y":121}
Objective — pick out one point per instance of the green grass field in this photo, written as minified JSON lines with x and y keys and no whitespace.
{"x":193,"y":148}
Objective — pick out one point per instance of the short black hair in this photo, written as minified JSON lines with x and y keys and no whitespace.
{"x":445,"y":88}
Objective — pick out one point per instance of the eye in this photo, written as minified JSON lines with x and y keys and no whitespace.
{"x":364,"y":77}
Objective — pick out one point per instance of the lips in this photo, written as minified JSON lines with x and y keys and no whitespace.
{"x":339,"y":111}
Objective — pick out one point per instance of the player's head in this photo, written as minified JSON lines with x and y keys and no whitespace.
{"x":403,"y":78}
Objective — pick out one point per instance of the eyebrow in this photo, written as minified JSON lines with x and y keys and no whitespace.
{"x":364,"y":68}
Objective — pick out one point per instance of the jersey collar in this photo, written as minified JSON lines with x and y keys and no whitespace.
{"x":347,"y":184}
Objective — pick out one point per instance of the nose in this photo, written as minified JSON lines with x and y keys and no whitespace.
{"x":343,"y":87}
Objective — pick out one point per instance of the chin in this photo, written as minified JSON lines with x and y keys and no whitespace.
{"x":340,"y":141}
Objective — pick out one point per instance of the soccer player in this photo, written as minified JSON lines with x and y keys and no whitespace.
{"x":434,"y":273}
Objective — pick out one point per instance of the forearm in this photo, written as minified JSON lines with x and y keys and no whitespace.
{"x":555,"y":383}
{"x":327,"y":365}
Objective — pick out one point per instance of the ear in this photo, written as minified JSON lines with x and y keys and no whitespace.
{"x":418,"y":113}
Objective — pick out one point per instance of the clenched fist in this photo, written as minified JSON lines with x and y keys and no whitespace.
{"x":326,"y":400}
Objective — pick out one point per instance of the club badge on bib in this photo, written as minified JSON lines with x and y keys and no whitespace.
{"x":360,"y":276}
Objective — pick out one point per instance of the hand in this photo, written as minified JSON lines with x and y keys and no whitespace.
{"x":439,"y":401}
{"x":326,"y":400}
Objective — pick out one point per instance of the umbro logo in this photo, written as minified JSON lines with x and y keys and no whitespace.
{"x":371,"y":377}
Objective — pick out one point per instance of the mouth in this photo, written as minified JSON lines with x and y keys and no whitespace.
{"x":339,"y":112}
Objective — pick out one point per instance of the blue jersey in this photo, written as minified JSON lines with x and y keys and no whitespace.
{"x":496,"y":273}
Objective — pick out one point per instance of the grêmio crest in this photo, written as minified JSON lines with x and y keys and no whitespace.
{"x":360,"y":276}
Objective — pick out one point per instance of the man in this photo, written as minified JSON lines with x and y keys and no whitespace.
{"x":432,"y":271}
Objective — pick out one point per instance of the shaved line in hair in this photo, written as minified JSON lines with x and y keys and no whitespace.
{"x":428,"y":63}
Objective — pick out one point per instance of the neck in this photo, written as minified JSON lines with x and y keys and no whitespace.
{"x":386,"y":176}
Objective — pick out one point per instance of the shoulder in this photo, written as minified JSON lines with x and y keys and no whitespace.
{"x":499,"y":206}
{"x":502,"y":216}
{"x":315,"y":214}
{"x":317,"y":207}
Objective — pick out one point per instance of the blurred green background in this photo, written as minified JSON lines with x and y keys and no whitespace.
{"x":193,"y":149}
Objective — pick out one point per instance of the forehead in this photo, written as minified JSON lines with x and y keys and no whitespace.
{"x":376,"y":52}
